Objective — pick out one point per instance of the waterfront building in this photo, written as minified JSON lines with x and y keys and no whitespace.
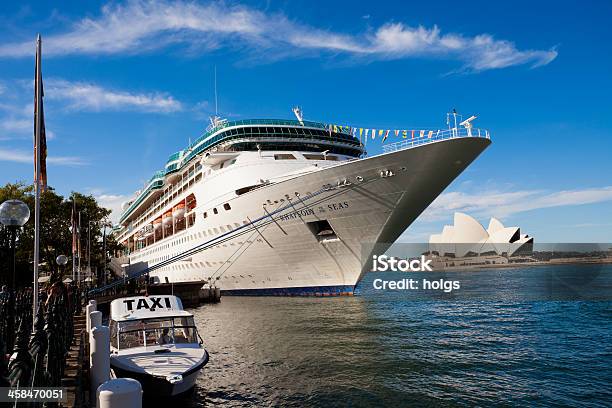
{"x":467,"y":237}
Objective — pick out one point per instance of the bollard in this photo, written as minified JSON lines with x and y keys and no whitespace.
{"x":95,"y":319}
{"x":120,"y":393}
{"x":204,"y":295}
{"x":217,"y":295}
{"x":100,"y":357}
{"x":91,"y":307}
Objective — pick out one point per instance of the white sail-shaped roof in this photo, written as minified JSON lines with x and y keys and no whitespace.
{"x":468,"y":236}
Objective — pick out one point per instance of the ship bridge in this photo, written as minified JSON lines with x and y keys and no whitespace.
{"x":252,"y":135}
{"x":268,"y":134}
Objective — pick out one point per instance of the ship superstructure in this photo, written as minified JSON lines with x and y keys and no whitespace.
{"x":284,"y":206}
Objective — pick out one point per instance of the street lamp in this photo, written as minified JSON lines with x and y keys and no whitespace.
{"x":14,"y":214}
{"x":61,"y":261}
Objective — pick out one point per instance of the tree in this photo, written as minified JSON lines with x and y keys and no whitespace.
{"x":55,"y":235}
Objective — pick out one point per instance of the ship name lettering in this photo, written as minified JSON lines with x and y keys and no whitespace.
{"x":300,"y":213}
{"x":338,"y":206}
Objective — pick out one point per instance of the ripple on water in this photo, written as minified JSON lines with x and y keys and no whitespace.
{"x":392,"y":351}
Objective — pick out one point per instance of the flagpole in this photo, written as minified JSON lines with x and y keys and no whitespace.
{"x":37,"y":181}
{"x":79,"y":250}
{"x":74,"y":243}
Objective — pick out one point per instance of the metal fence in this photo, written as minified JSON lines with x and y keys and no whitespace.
{"x":428,"y":136}
{"x":38,"y":353}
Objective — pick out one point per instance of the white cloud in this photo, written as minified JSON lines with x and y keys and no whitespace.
{"x":23,"y":156}
{"x":142,"y":26}
{"x":17,"y":124}
{"x":478,"y":53}
{"x":503,"y":204}
{"x":87,"y":96}
{"x":112,"y":202}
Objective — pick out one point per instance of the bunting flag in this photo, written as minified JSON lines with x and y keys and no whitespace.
{"x":383,"y":133}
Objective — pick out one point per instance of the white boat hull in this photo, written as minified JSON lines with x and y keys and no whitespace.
{"x":383,"y":195}
{"x":172,"y":377}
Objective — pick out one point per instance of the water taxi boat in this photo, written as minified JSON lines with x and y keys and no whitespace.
{"x":156,"y":342}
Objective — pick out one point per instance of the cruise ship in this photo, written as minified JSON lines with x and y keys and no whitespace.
{"x":282,"y":207}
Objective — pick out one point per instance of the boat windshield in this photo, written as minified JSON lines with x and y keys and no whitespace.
{"x":153,"y":332}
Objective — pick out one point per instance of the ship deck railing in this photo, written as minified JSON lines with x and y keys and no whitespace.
{"x":428,"y":136}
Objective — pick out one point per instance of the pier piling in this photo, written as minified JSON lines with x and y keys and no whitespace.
{"x":100,"y":357}
{"x":120,"y":393}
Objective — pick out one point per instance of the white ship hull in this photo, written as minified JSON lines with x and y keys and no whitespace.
{"x":381,"y":197}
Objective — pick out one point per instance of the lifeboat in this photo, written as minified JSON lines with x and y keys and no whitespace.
{"x":178,"y":211}
{"x":167,"y":218}
{"x":157,"y":223}
{"x":191,"y":202}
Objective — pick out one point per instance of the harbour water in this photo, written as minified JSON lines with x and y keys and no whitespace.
{"x":505,"y":345}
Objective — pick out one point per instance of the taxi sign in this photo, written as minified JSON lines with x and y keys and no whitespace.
{"x":142,"y":305}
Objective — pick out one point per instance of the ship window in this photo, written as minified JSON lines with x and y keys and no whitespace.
{"x":243,"y":190}
{"x":205,"y":214}
{"x":215,"y":211}
{"x":313,"y":156}
{"x":322,"y":230}
{"x":284,"y":156}
{"x":227,"y":207}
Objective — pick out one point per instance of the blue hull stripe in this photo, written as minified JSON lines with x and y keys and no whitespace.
{"x":297,"y":291}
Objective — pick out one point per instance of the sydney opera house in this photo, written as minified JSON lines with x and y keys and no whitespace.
{"x":466,"y":237}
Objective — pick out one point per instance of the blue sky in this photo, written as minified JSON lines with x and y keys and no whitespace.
{"x":127,"y":84}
